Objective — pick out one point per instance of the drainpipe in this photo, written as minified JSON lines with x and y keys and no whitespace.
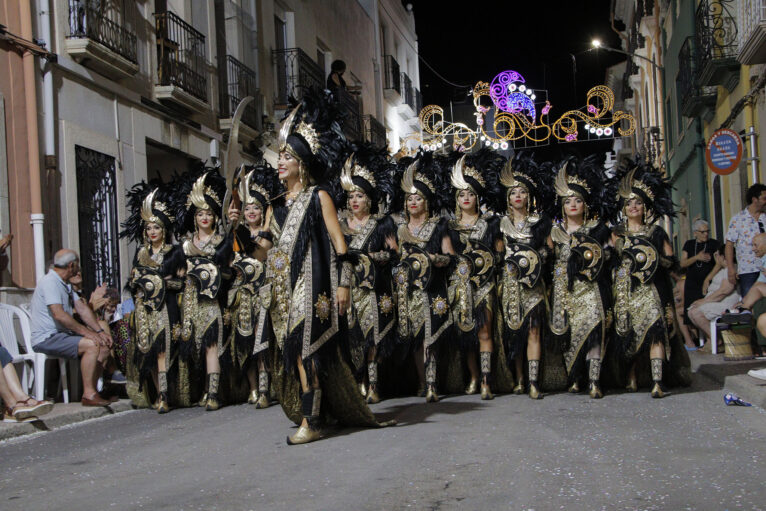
{"x":753,"y":157}
{"x":33,"y":147}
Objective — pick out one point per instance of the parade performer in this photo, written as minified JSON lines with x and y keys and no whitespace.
{"x":420,"y":278}
{"x":525,"y":249}
{"x":252,"y":241}
{"x":474,"y":181}
{"x":644,"y":313}
{"x":154,"y":287}
{"x":580,"y":296}
{"x":309,"y":275}
{"x":198,"y":201}
{"x":367,"y":184}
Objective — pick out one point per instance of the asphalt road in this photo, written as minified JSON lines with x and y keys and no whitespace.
{"x":626,"y":451}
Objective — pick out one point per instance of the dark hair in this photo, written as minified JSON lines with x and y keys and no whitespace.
{"x":754,"y":192}
{"x":112,"y":294}
{"x":338,"y":66}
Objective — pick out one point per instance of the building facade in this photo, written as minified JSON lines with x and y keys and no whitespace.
{"x":141,"y":89}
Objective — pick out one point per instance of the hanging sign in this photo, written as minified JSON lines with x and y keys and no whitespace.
{"x":724,"y":151}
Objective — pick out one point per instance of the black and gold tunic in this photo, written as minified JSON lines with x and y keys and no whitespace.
{"x":521,"y":283}
{"x":473,"y":293}
{"x":580,"y":295}
{"x":371,"y":318}
{"x":156,"y":316}
{"x":422,"y":308}
{"x":644,"y":310}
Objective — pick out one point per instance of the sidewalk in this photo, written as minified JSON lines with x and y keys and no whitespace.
{"x":62,"y":415}
{"x":732,"y":376}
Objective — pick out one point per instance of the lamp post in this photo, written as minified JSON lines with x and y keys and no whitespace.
{"x":596,"y":45}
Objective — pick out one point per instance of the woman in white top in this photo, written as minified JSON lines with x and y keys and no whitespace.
{"x":721,"y":295}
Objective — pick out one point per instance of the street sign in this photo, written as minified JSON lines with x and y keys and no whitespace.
{"x":724,"y":152}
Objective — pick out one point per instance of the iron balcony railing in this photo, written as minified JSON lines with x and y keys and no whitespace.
{"x":630,"y":69}
{"x":692,"y":96}
{"x":716,"y":29}
{"x":418,"y":101}
{"x":644,"y":8}
{"x":104,"y":25}
{"x":752,"y":27}
{"x":352,"y":116}
{"x":374,"y":131}
{"x":392,"y":75}
{"x":295,"y":72}
{"x":180,"y":55}
{"x":409,"y":96}
{"x":239,"y":81}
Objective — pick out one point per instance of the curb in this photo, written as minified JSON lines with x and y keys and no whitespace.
{"x":733,"y":378}
{"x":62,"y":415}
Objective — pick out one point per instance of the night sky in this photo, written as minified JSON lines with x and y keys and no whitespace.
{"x":468,"y":41}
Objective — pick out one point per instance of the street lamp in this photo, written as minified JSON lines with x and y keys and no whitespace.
{"x":596,"y":45}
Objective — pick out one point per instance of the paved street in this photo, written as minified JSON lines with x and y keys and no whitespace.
{"x":627,"y":451}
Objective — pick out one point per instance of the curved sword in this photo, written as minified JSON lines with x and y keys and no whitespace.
{"x":233,"y":161}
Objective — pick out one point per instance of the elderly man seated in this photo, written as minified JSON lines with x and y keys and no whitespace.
{"x":721,"y":294}
{"x":55,"y":331}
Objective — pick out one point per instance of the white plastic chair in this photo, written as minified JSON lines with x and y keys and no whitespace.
{"x":11,"y":343}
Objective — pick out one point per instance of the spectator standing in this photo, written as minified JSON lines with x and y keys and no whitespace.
{"x":697,"y":259}
{"x":743,"y":227}
{"x":56,"y":332}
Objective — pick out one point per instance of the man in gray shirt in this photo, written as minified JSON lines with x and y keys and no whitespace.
{"x":55,"y":331}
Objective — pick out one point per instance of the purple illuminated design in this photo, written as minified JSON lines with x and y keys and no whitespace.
{"x":507,"y":91}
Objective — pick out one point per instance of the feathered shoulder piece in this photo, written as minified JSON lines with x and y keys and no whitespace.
{"x":638,"y":178}
{"x":369,"y":170}
{"x":480,"y":172}
{"x":148,"y":203}
{"x":202,"y":187}
{"x":524,"y":171}
{"x":311,"y":132}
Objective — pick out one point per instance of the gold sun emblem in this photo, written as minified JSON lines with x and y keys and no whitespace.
{"x":386,"y":304}
{"x":439,"y":306}
{"x":322,"y":307}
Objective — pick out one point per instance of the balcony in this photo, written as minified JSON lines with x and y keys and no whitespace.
{"x":295,"y":72}
{"x":237,"y":82}
{"x":716,"y":31}
{"x":695,"y":100}
{"x":392,"y":82}
{"x":352,"y":116}
{"x":418,"y":102}
{"x":752,"y":42}
{"x":374,"y":132}
{"x":181,"y":63}
{"x":99,"y":38}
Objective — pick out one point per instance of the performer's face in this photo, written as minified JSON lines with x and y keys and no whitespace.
{"x":288,"y":166}
{"x":154,"y":232}
{"x":634,"y":209}
{"x":204,"y":218}
{"x":415,"y":204}
{"x":253,"y":214}
{"x":574,"y":206}
{"x":518,"y":197}
{"x":466,"y":199}
{"x":358,"y":202}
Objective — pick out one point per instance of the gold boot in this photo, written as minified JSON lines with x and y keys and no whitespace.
{"x":212,"y":403}
{"x":658,"y":392}
{"x":485,"y":359}
{"x":372,"y":377}
{"x":162,"y":403}
{"x":594,"y":374}
{"x":203,"y":400}
{"x":519,"y":388}
{"x":533,"y":367}
{"x":253,"y":397}
{"x":472,"y":387}
{"x":486,"y":394}
{"x":363,"y":389}
{"x":534,"y":391}
{"x":304,"y":435}
{"x":263,"y":390}
{"x":632,"y":385}
{"x":263,"y":402}
{"x":372,"y":395}
{"x":431,"y":396}
{"x":574,"y":388}
{"x":594,"y":391}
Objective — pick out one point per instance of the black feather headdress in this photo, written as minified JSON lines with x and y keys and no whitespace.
{"x":428,"y":175}
{"x":585,"y":178}
{"x":537,"y":179}
{"x":148,"y":203}
{"x":480,"y":172}
{"x":638,"y":178}
{"x":202,"y":187}
{"x":311,"y":132}
{"x":259,"y":185}
{"x":368,"y":170}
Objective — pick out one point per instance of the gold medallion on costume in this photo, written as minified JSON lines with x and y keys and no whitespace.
{"x":590,"y":252}
{"x":152,"y":284}
{"x":643,"y":256}
{"x":206,"y":273}
{"x":364,"y":269}
{"x":482,"y":262}
{"x":527,"y":262}
{"x":419,"y":264}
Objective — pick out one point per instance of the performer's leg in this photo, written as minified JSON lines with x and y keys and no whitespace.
{"x":372,"y":376}
{"x":485,"y":358}
{"x":263,"y":383}
{"x":213,"y":376}
{"x":473,"y":368}
{"x":594,"y":373}
{"x":310,"y":406}
{"x":632,"y":385}
{"x":656,"y":359}
{"x":518,"y":362}
{"x":534,"y":352}
{"x":430,"y":367}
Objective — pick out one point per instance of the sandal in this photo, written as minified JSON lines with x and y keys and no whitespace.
{"x":37,"y":407}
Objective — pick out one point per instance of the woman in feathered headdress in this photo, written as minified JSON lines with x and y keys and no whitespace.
{"x":198,"y":200}
{"x":581,"y":297}
{"x":644,"y":311}
{"x":310,"y":273}
{"x":474,"y":181}
{"x":527,"y":188}
{"x":154,"y":289}
{"x":425,"y":251}
{"x":255,"y":188}
{"x":366,"y":184}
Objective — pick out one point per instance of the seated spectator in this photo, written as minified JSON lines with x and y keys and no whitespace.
{"x":721,"y":295}
{"x":758,"y":290}
{"x":678,"y":299}
{"x":19,"y":407}
{"x":55,"y":331}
